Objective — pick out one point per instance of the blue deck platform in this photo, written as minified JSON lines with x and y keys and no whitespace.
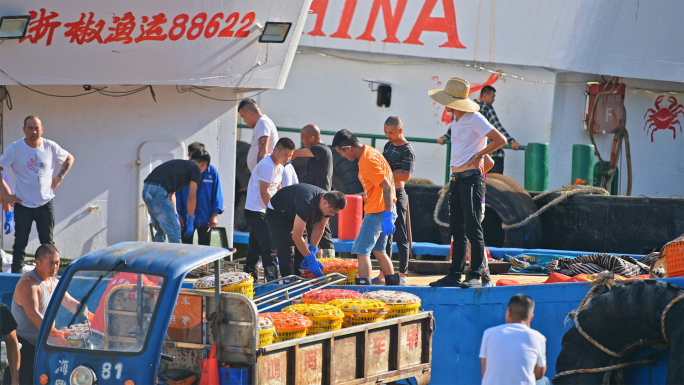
{"x":426,"y":248}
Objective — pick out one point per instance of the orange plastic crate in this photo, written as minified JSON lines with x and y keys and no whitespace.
{"x":674,"y":257}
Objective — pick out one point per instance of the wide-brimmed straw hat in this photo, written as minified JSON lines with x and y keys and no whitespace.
{"x":455,"y":95}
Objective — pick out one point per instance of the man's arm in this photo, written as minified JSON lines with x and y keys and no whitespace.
{"x":192,"y":198}
{"x":263,"y":191}
{"x":70,"y":303}
{"x":387,"y":194}
{"x":263,"y":148}
{"x":298,"y":236}
{"x":491,"y":116}
{"x":317,"y":232}
{"x":539,"y":371}
{"x":444,"y":137}
{"x":7,"y":196}
{"x":27,"y":295}
{"x":401,"y":176}
{"x":66,"y":166}
{"x":302,"y":153}
{"x":216,"y":202}
{"x":498,"y":141}
{"x":483,"y":362}
{"x":13,"y":355}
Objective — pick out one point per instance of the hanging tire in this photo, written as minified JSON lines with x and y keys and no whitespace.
{"x":626,"y":314}
{"x":507,"y":202}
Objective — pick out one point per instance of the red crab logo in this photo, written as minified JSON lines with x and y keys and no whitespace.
{"x":663,"y":118}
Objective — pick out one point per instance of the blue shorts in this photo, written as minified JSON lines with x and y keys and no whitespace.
{"x":371,"y":238}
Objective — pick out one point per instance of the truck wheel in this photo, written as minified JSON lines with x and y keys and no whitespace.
{"x":507,"y":202}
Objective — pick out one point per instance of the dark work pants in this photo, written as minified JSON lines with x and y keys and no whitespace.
{"x":400,"y":235}
{"x":260,"y":243}
{"x":498,"y":165}
{"x":289,"y":257}
{"x":203,"y":236}
{"x":326,"y":240}
{"x":44,"y":216}
{"x":28,"y":354}
{"x":465,"y":211}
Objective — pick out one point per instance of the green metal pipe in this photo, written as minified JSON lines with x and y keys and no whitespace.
{"x":537,"y":167}
{"x":582,"y":164}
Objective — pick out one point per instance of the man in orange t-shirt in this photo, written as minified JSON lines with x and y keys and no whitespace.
{"x":379,"y":196}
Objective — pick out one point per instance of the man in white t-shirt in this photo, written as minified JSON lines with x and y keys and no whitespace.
{"x":469,"y":133}
{"x":33,"y":160}
{"x":264,"y":134}
{"x":266,"y":179}
{"x":289,"y":175}
{"x":513,"y":353}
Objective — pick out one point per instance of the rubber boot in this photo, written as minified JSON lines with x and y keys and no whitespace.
{"x":271,"y":273}
{"x":362,"y":281}
{"x":392,"y":280}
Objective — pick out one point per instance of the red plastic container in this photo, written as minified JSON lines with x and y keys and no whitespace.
{"x":349,"y":219}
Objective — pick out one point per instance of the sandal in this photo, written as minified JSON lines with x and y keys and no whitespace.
{"x":377,"y":281}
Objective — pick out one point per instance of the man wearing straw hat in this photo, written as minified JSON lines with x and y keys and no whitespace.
{"x":469,"y":133}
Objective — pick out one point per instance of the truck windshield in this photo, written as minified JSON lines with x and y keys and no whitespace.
{"x":117,"y":314}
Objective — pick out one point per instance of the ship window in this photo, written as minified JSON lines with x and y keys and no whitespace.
{"x":384,"y":95}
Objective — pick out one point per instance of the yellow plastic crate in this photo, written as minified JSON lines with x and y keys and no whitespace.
{"x":324,"y":317}
{"x":400,"y":310}
{"x":266,"y":336}
{"x":246,"y":288}
{"x":359,"y":311}
{"x":286,"y":335}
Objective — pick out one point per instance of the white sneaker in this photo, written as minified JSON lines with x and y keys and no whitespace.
{"x":402,"y":281}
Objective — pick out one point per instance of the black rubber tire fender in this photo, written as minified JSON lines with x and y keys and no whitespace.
{"x":512,"y":204}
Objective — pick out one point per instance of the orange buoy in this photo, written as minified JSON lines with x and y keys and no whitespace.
{"x":349,"y":219}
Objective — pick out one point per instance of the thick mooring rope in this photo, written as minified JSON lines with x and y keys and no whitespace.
{"x":606,"y":280}
{"x":566,"y":192}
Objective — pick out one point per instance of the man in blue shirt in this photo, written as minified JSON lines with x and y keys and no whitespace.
{"x":209,"y":202}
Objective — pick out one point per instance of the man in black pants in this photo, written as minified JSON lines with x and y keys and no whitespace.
{"x":319,"y":171}
{"x":289,"y":212}
{"x":33,"y":160}
{"x":266,"y":179}
{"x":401,"y":158}
{"x":469,"y":134}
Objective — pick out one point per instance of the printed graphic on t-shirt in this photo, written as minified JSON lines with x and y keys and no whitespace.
{"x":36,"y":165}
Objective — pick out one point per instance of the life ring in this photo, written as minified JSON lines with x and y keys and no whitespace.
{"x":628,"y":316}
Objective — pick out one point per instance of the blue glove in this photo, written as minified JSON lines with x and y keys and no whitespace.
{"x":177,"y":220}
{"x":387,"y":223}
{"x":9,"y":221}
{"x":315,"y":267}
{"x":313,"y":249}
{"x":189,"y":229}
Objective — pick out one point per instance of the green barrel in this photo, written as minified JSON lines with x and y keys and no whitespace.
{"x":537,"y":167}
{"x":582,"y":164}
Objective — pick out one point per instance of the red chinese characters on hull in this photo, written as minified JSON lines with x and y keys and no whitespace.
{"x":158,"y":27}
{"x":392,"y":19}
{"x":664,"y":118}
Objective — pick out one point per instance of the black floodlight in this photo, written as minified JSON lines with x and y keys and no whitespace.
{"x":275,"y":32}
{"x":14,"y":27}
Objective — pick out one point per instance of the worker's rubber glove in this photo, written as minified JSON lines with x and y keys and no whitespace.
{"x":315,"y":267}
{"x":387,"y":223}
{"x":82,"y":316}
{"x":9,"y":221}
{"x":313,"y":249}
{"x":189,"y":229}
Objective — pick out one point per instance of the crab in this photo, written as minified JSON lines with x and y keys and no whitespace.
{"x":663,"y":118}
